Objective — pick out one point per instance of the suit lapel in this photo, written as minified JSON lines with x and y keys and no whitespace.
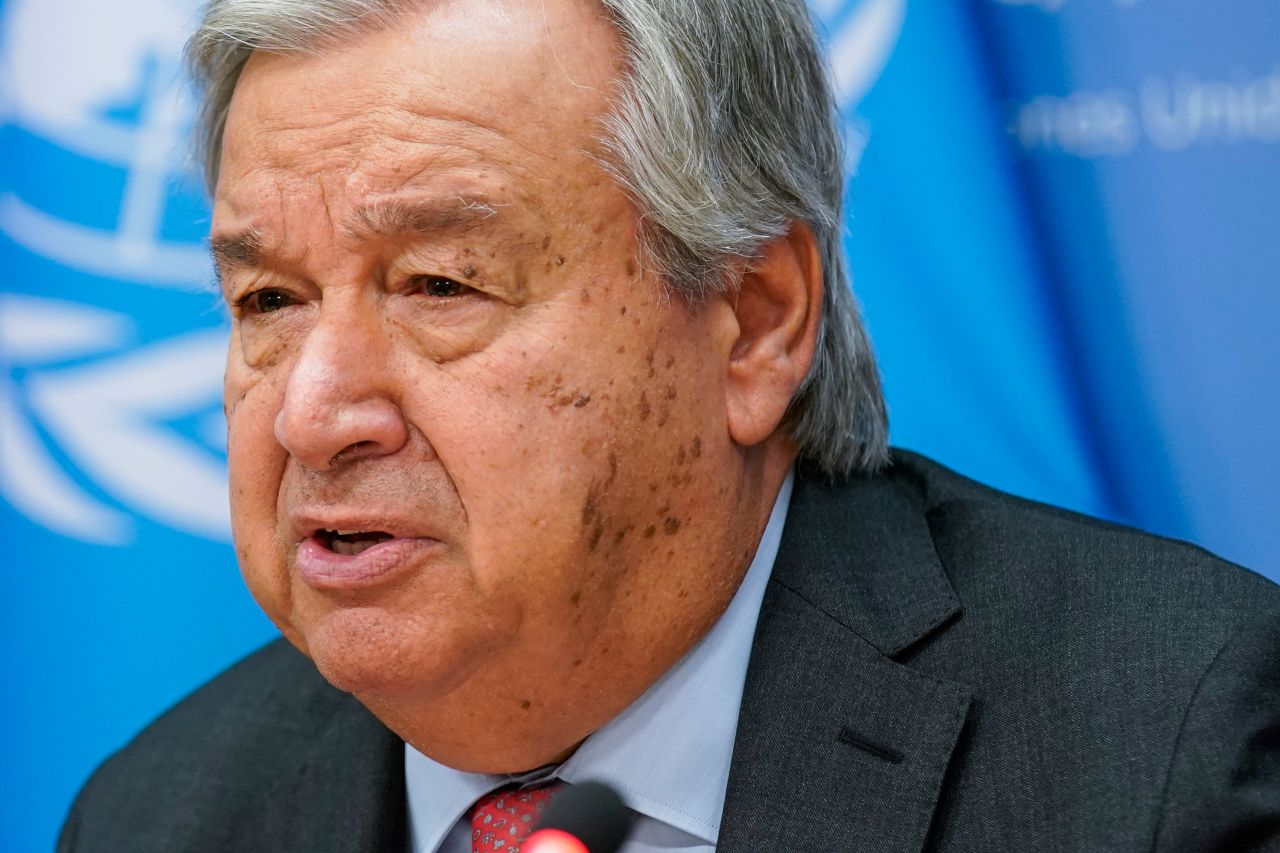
{"x":839,"y":746}
{"x":347,"y":793}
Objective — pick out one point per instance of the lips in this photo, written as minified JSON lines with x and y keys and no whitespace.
{"x":351,"y":557}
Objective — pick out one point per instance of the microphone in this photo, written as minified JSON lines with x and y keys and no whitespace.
{"x":586,"y":818}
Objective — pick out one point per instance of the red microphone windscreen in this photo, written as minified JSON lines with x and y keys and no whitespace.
{"x":552,"y":841}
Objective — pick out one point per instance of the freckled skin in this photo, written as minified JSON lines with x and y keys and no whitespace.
{"x":464,"y":416}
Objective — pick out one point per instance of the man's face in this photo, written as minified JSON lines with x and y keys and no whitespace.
{"x":446,"y":351}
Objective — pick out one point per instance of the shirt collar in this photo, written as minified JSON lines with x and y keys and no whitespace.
{"x":667,"y":754}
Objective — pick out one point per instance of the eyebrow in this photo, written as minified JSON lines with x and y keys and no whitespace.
{"x":397,"y":217}
{"x":242,"y":249}
{"x":392,"y":217}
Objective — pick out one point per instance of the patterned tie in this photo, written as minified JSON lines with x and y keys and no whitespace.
{"x":500,"y":820}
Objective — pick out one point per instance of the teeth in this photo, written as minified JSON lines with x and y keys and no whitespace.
{"x":352,"y":542}
{"x":350,"y":549}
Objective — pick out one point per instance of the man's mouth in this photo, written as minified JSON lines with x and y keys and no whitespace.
{"x":350,"y":542}
{"x":354,"y":556}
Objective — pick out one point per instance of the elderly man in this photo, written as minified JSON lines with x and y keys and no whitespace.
{"x":556,"y":442}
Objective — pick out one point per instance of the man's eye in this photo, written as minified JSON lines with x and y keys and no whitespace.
{"x":439,"y":286}
{"x":266,"y":301}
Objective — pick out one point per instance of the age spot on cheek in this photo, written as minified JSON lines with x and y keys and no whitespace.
{"x":592,"y":519}
{"x":558,"y":396}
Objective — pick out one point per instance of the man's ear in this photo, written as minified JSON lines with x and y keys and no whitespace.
{"x":778,"y":308}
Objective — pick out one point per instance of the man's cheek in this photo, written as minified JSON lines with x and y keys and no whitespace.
{"x":432,"y":334}
{"x":242,"y":380}
{"x":267,"y":343}
{"x":255,"y":467}
{"x":255,"y":460}
{"x":235,"y":389}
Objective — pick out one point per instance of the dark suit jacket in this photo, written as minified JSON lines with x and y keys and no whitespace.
{"x":937,"y":666}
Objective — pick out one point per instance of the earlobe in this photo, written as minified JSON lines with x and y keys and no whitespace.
{"x":778,"y":309}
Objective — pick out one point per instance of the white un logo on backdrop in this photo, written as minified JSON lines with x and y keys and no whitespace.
{"x":88,"y":415}
{"x":863,"y":35}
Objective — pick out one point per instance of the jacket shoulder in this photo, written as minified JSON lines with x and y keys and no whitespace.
{"x":1121,"y":681}
{"x":271,"y":700}
{"x":997,"y":548}
{"x":184,"y":780}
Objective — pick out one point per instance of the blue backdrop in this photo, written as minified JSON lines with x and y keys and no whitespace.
{"x":1063,"y":231}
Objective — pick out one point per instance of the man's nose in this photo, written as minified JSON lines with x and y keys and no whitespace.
{"x":339,"y":403}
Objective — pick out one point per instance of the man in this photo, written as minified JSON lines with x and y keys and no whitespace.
{"x":540,"y":331}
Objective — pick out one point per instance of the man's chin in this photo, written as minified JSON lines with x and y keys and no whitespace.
{"x":366,"y":653}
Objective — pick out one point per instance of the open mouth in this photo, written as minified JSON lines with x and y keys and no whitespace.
{"x":350,"y":542}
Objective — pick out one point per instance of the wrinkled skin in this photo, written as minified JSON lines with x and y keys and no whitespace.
{"x":580,"y":465}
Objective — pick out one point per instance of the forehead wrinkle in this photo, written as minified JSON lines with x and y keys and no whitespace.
{"x":463,"y":126}
{"x":360,"y":132}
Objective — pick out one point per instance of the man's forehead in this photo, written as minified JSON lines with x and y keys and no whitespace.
{"x":474,"y":117}
{"x":508,"y":62}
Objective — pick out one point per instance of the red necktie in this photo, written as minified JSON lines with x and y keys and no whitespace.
{"x":501,"y":820}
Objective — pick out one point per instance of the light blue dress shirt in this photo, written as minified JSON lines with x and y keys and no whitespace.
{"x":667,"y":754}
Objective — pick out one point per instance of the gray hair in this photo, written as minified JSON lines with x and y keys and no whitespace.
{"x":725,"y":134}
